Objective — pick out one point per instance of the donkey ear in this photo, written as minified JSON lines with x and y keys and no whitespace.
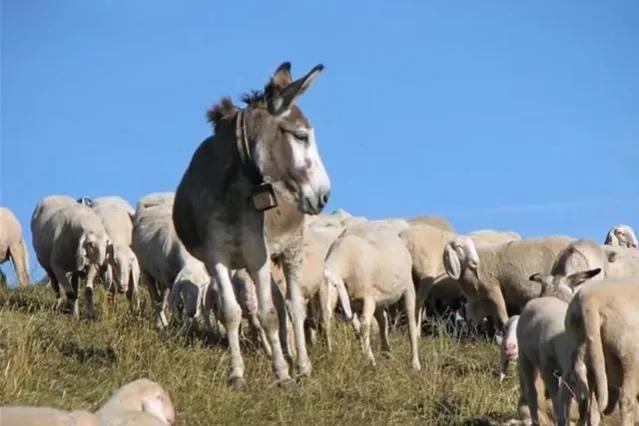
{"x":282,"y":100}
{"x":282,"y":76}
{"x":579,"y":277}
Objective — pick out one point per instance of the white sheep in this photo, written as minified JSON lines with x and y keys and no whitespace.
{"x":373,"y":269}
{"x":122,"y":273}
{"x":138,"y":403}
{"x":12,"y":246}
{"x":69,"y":238}
{"x":622,"y":235}
{"x":494,"y":278}
{"x":160,"y":253}
{"x":603,"y":322}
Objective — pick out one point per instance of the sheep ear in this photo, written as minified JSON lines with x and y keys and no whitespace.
{"x":537,"y":277}
{"x":81,"y":254}
{"x":579,"y":277}
{"x":451,"y":262}
{"x":611,"y":238}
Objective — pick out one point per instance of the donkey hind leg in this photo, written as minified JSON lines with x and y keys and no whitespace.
{"x":269,"y":318}
{"x":232,"y":314}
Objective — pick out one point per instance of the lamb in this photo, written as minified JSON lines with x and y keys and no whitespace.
{"x":509,"y":350}
{"x":544,"y":347}
{"x":602,"y":319}
{"x":160,"y":253}
{"x":69,"y":238}
{"x":374,"y":270}
{"x":494,"y":278}
{"x":123,"y":271}
{"x":622,"y":235}
{"x":141,"y":403}
{"x":12,"y":246}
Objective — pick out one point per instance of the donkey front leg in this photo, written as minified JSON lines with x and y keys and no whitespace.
{"x":268,"y":317}
{"x":297,"y":309}
{"x":232,"y":313}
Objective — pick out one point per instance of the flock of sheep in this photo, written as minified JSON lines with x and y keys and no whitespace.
{"x":243,"y":237}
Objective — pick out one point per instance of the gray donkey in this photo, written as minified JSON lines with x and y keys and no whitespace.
{"x":260,"y":158}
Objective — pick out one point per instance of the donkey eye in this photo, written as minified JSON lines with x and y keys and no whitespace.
{"x":303,"y":137}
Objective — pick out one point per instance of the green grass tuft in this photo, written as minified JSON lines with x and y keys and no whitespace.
{"x":50,"y":359}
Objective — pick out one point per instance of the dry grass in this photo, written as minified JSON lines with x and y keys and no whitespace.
{"x":48,"y":358}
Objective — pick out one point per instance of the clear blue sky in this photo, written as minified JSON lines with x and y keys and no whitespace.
{"x":493,"y":114}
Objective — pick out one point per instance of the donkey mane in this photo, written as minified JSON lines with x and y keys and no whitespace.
{"x":224,"y":109}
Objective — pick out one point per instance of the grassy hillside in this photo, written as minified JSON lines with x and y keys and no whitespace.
{"x":48,"y":358}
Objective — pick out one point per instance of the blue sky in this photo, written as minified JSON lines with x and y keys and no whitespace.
{"x":493,"y":114}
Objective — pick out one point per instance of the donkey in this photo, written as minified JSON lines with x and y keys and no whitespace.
{"x":260,"y":157}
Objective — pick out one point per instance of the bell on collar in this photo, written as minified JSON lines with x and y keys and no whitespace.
{"x":264,"y":197}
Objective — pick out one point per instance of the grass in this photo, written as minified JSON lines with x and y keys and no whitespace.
{"x":50,"y":359}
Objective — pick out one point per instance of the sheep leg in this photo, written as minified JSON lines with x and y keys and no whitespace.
{"x":232,"y":314}
{"x":423,"y":289}
{"x":527,"y":377}
{"x":88,"y":293}
{"x":328,"y":301}
{"x":382,"y":321}
{"x":267,"y":314}
{"x":297,"y":308}
{"x":413,"y":331}
{"x":551,"y":384}
{"x":60,"y":277}
{"x":365,"y":329}
{"x":283,"y":324}
{"x":166,"y":292}
{"x":628,"y":397}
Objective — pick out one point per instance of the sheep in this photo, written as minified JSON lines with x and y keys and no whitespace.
{"x":141,"y":403}
{"x":122,"y":271}
{"x":38,"y":416}
{"x":434,"y":221}
{"x":614,"y":261}
{"x":160,"y":253}
{"x":12,"y":245}
{"x":490,"y":236}
{"x":544,"y":347}
{"x":494,"y":278}
{"x":622,"y":235}
{"x":508,"y":349}
{"x":426,"y":244}
{"x":602,"y":320}
{"x":375,"y":267}
{"x":69,"y":238}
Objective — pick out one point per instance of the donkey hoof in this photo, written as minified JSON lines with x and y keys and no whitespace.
{"x":237,"y":382}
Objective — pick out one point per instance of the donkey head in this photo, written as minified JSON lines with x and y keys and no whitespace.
{"x":282,"y":140}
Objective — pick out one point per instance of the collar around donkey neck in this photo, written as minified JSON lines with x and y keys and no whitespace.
{"x":263,"y":194}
